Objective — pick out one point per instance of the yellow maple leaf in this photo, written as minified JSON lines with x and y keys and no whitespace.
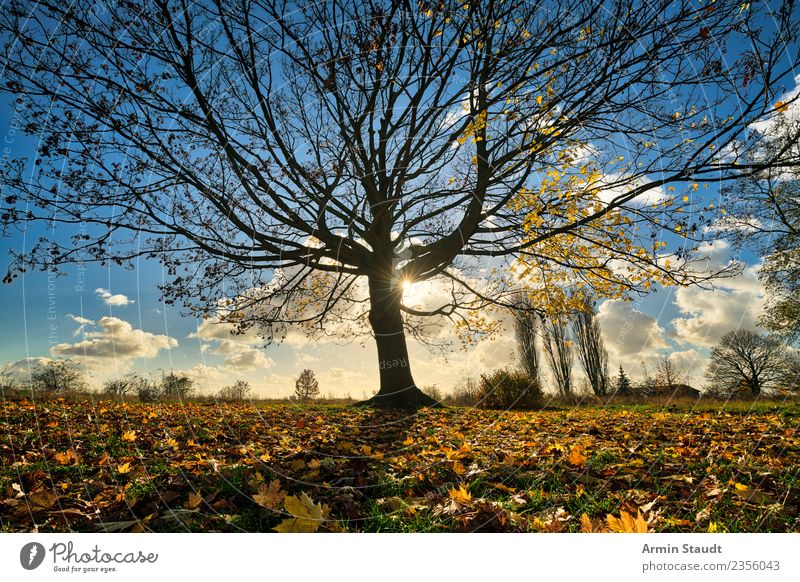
{"x":306,"y":516}
{"x":124,"y":468}
{"x":270,"y":496}
{"x":626,"y":523}
{"x":129,"y":436}
{"x":781,"y":107}
{"x":461,"y":495}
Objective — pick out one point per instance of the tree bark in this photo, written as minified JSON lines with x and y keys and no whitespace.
{"x":397,"y":386}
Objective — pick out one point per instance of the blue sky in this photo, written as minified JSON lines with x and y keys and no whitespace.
{"x":112,"y":321}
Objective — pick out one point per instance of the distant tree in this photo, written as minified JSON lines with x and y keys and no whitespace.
{"x":764,"y":214}
{"x":433,"y":392}
{"x":592,"y":352}
{"x":148,"y":391}
{"x":58,"y":376}
{"x":622,"y":384}
{"x":558,"y":347}
{"x":525,"y":332}
{"x":749,"y":360}
{"x":667,"y":374}
{"x":177,"y":386}
{"x":238,"y":391}
{"x":119,"y":387}
{"x":306,"y":387}
{"x":466,"y":392}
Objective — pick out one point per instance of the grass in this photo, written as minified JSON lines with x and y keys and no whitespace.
{"x":688,"y":466}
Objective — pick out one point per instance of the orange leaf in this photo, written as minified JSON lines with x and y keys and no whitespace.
{"x":626,"y":523}
{"x":68,"y":457}
{"x":577,"y":456}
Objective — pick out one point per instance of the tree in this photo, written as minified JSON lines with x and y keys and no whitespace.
{"x":749,"y":360}
{"x":176,"y":385}
{"x":622,"y":384}
{"x":765,"y":215}
{"x":302,"y":167}
{"x":306,"y":387}
{"x":236,"y":392}
{"x":526,"y":332}
{"x":119,"y":387}
{"x":558,"y":348}
{"x":591,"y":349}
{"x":58,"y":376}
{"x":148,"y":391}
{"x":667,"y":374}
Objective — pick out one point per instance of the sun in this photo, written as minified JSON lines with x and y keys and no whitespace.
{"x":411,"y":292}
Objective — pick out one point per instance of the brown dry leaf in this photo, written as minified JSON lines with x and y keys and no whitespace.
{"x":588,"y":525}
{"x":626,"y":523}
{"x":42,"y":499}
{"x":194,"y":501}
{"x":307,"y":516}
{"x":270,"y":496}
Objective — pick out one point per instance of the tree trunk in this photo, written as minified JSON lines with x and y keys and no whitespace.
{"x":397,"y":387}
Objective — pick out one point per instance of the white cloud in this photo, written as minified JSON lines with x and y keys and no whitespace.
{"x":22,"y":369}
{"x":248,"y":359}
{"x":117,"y":339}
{"x":628,"y":333}
{"x":116,"y":300}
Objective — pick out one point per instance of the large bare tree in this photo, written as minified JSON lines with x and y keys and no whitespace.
{"x":300,"y":163}
{"x":749,"y":360}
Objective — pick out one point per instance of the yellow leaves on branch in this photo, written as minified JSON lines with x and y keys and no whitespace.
{"x":781,"y":107}
{"x":306,"y":516}
{"x":475,"y":130}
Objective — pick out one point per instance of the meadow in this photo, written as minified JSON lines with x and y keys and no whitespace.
{"x":101,"y":465}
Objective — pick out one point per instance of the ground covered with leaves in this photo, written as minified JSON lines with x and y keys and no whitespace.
{"x":105,"y":466}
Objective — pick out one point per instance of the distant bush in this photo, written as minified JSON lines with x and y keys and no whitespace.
{"x":505,"y":389}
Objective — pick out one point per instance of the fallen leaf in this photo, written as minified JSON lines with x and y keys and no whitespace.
{"x":307,"y":516}
{"x":753,"y":495}
{"x":626,"y":523}
{"x":460,"y":495}
{"x":68,"y":457}
{"x":577,"y":456}
{"x":270,"y":496}
{"x":194,"y":501}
